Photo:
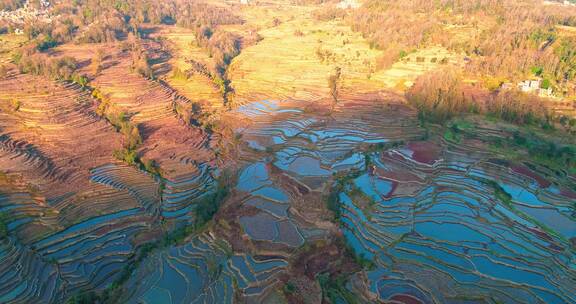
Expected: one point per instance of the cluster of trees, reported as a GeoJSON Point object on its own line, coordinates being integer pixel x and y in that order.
{"type": "Point", "coordinates": [204, 18]}
{"type": "Point", "coordinates": [62, 68]}
{"type": "Point", "coordinates": [515, 36]}
{"type": "Point", "coordinates": [395, 26]}
{"type": "Point", "coordinates": [329, 13]}
{"type": "Point", "coordinates": [86, 21]}
{"type": "Point", "coordinates": [97, 21]}
{"type": "Point", "coordinates": [440, 96]}
{"type": "Point", "coordinates": [121, 121]}
{"type": "Point", "coordinates": [222, 46]}
{"type": "Point", "coordinates": [10, 5]}
{"type": "Point", "coordinates": [559, 156]}
{"type": "Point", "coordinates": [208, 206]}
{"type": "Point", "coordinates": [140, 61]}
{"type": "Point", "coordinates": [525, 38]}
{"type": "Point", "coordinates": [109, 29]}
{"type": "Point", "coordinates": [193, 14]}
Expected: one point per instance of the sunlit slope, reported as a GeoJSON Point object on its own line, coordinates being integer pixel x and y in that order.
{"type": "Point", "coordinates": [196, 87]}
{"type": "Point", "coordinates": [296, 57]}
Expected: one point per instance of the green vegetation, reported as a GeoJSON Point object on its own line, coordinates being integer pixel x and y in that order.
{"type": "Point", "coordinates": [522, 144]}
{"type": "Point", "coordinates": [289, 288]}
{"type": "Point", "coordinates": [506, 199]}
{"type": "Point", "coordinates": [537, 70]}
{"type": "Point", "coordinates": [128, 156]}
{"type": "Point", "coordinates": [569, 124]}
{"type": "Point", "coordinates": [90, 297]}
{"type": "Point", "coordinates": [3, 225]}
{"type": "Point", "coordinates": [333, 201]}
{"type": "Point", "coordinates": [545, 84]}
{"type": "Point", "coordinates": [500, 193]}
{"type": "Point", "coordinates": [334, 289]}
{"type": "Point", "coordinates": [132, 138]}
{"type": "Point", "coordinates": [46, 43]}
{"type": "Point", "coordinates": [545, 151]}
{"type": "Point", "coordinates": [359, 259]}
{"type": "Point", "coordinates": [210, 204]}
{"type": "Point", "coordinates": [341, 183]}
{"type": "Point", "coordinates": [63, 68]}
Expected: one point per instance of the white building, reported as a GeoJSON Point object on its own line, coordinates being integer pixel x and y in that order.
{"type": "Point", "coordinates": [535, 87]}
{"type": "Point", "coordinates": [348, 4]}
{"type": "Point", "coordinates": [530, 85]}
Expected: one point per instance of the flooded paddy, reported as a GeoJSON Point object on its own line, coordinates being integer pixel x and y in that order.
{"type": "Point", "coordinates": [442, 223]}
{"type": "Point", "coordinates": [202, 271]}
{"type": "Point", "coordinates": [426, 212]}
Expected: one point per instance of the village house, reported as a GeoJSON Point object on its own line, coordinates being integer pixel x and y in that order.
{"type": "Point", "coordinates": [531, 86]}
{"type": "Point", "coordinates": [348, 4]}
{"type": "Point", "coordinates": [27, 12]}
{"type": "Point", "coordinates": [535, 87]}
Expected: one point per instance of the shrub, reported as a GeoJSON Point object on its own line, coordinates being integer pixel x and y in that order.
{"type": "Point", "coordinates": [82, 80]}
{"type": "Point", "coordinates": [15, 105]}
{"type": "Point", "coordinates": [140, 62]}
{"type": "Point", "coordinates": [333, 82]}
{"type": "Point", "coordinates": [3, 225]}
{"type": "Point", "coordinates": [128, 156]}
{"type": "Point", "coordinates": [46, 43]}
{"type": "Point", "coordinates": [3, 71]}
{"type": "Point", "coordinates": [207, 207]}
{"type": "Point", "coordinates": [537, 71]}
{"type": "Point", "coordinates": [96, 63]}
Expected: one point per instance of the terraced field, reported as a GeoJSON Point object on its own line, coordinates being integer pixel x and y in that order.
{"type": "Point", "coordinates": [439, 233]}
{"type": "Point", "coordinates": [297, 190]}
{"type": "Point", "coordinates": [204, 271]}
{"type": "Point", "coordinates": [71, 223]}
{"type": "Point", "coordinates": [197, 87]}
{"type": "Point", "coordinates": [432, 216]}
{"type": "Point", "coordinates": [75, 215]}
{"type": "Point", "coordinates": [52, 132]}
{"type": "Point", "coordinates": [179, 150]}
